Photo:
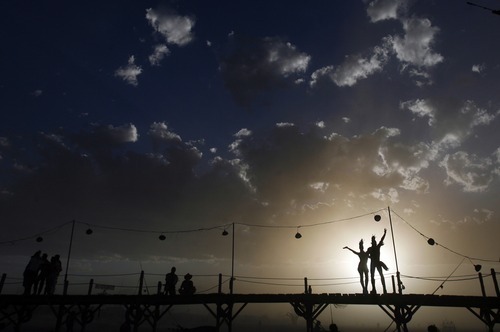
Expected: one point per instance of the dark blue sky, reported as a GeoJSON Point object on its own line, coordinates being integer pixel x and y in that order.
{"type": "Point", "coordinates": [184, 114]}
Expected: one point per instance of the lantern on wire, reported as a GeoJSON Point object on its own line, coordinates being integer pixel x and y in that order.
{"type": "Point", "coordinates": [377, 217]}
{"type": "Point", "coordinates": [39, 239]}
{"type": "Point", "coordinates": [89, 231]}
{"type": "Point", "coordinates": [224, 232]}
{"type": "Point", "coordinates": [298, 235]}
{"type": "Point", "coordinates": [162, 237]}
{"type": "Point", "coordinates": [431, 241]}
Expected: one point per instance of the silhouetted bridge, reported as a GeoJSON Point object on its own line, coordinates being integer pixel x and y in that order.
{"type": "Point", "coordinates": [70, 310]}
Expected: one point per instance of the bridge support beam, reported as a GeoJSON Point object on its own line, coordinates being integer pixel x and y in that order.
{"type": "Point", "coordinates": [15, 315]}
{"type": "Point", "coordinates": [400, 315]}
{"type": "Point", "coordinates": [309, 312]}
{"type": "Point", "coordinates": [488, 316]}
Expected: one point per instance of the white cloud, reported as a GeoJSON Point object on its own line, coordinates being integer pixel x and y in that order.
{"type": "Point", "coordinates": [379, 10]}
{"type": "Point", "coordinates": [123, 134]}
{"type": "Point", "coordinates": [356, 67]}
{"type": "Point", "coordinates": [391, 195]}
{"type": "Point", "coordinates": [259, 65]}
{"type": "Point", "coordinates": [320, 124]}
{"type": "Point", "coordinates": [421, 108]}
{"type": "Point", "coordinates": [174, 28]}
{"type": "Point", "coordinates": [285, 124]}
{"type": "Point", "coordinates": [160, 51]}
{"type": "Point", "coordinates": [243, 132]}
{"type": "Point", "coordinates": [287, 58]}
{"type": "Point", "coordinates": [479, 68]}
{"type": "Point", "coordinates": [319, 73]}
{"type": "Point", "coordinates": [130, 72]}
{"type": "Point", "coordinates": [415, 47]}
{"type": "Point", "coordinates": [472, 173]}
{"type": "Point", "coordinates": [159, 130]}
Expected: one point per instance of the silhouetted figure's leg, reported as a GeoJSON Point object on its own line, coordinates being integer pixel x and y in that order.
{"type": "Point", "coordinates": [372, 276]}
{"type": "Point", "coordinates": [361, 280]}
{"type": "Point", "coordinates": [365, 290]}
{"type": "Point", "coordinates": [382, 280]}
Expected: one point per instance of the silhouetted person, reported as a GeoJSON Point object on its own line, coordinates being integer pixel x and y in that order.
{"type": "Point", "coordinates": [41, 282]}
{"type": "Point", "coordinates": [171, 280]}
{"type": "Point", "coordinates": [187, 287]}
{"type": "Point", "coordinates": [31, 272]}
{"type": "Point", "coordinates": [362, 266]}
{"type": "Point", "coordinates": [432, 328]}
{"type": "Point", "coordinates": [54, 269]}
{"type": "Point", "coordinates": [376, 263]}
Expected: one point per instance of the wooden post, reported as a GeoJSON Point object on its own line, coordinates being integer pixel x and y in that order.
{"type": "Point", "coordinates": [65, 289]}
{"type": "Point", "coordinates": [495, 282]}
{"type": "Point", "coordinates": [2, 282]}
{"type": "Point", "coordinates": [482, 283]}
{"type": "Point", "coordinates": [393, 284]}
{"type": "Point", "coordinates": [91, 285]}
{"type": "Point", "coordinates": [219, 290]}
{"type": "Point", "coordinates": [159, 287]}
{"type": "Point", "coordinates": [141, 283]}
{"type": "Point", "coordinates": [305, 285]}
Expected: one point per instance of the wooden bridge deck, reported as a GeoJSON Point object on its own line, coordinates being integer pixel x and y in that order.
{"type": "Point", "coordinates": [218, 298]}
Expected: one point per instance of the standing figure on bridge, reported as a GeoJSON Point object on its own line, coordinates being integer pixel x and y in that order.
{"type": "Point", "coordinates": [31, 272]}
{"type": "Point", "coordinates": [171, 280]}
{"type": "Point", "coordinates": [362, 266]}
{"type": "Point", "coordinates": [376, 263]}
{"type": "Point", "coordinates": [187, 286]}
{"type": "Point", "coordinates": [53, 273]}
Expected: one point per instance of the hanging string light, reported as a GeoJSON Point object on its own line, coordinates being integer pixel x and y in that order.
{"type": "Point", "coordinates": [376, 216]}
{"type": "Point", "coordinates": [431, 241]}
{"type": "Point", "coordinates": [298, 235]}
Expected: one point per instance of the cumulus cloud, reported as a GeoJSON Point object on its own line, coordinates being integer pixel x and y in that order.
{"type": "Point", "coordinates": [421, 108]}
{"type": "Point", "coordinates": [174, 28]}
{"type": "Point", "coordinates": [462, 123]}
{"type": "Point", "coordinates": [478, 68]}
{"type": "Point", "coordinates": [472, 173]}
{"type": "Point", "coordinates": [379, 10]}
{"type": "Point", "coordinates": [318, 74]}
{"type": "Point", "coordinates": [130, 72]}
{"type": "Point", "coordinates": [159, 131]}
{"type": "Point", "coordinates": [160, 51]}
{"type": "Point", "coordinates": [126, 133]}
{"type": "Point", "coordinates": [415, 47]}
{"type": "Point", "coordinates": [354, 67]}
{"type": "Point", "coordinates": [256, 66]}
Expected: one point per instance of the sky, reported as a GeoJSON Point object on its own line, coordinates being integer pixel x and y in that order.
{"type": "Point", "coordinates": [181, 118]}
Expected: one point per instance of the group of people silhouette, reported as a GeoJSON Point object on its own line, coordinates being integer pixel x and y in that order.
{"type": "Point", "coordinates": [171, 280]}
{"type": "Point", "coordinates": [40, 275]}
{"type": "Point", "coordinates": [373, 253]}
